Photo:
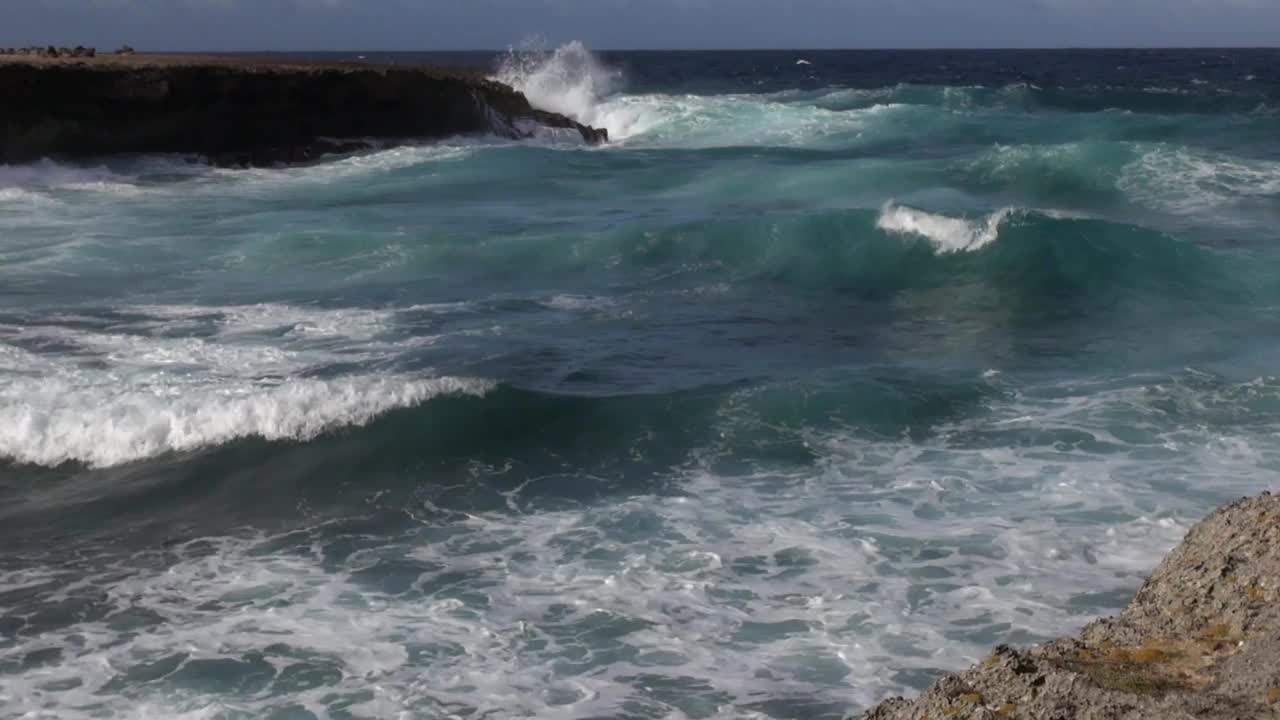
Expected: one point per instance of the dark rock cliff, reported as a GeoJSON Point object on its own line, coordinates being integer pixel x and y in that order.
{"type": "Point", "coordinates": [240, 111]}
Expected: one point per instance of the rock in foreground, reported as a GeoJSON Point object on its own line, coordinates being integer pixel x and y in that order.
{"type": "Point", "coordinates": [1200, 640]}
{"type": "Point", "coordinates": [244, 111]}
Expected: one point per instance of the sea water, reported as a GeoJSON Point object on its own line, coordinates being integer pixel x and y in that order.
{"type": "Point", "coordinates": [832, 370]}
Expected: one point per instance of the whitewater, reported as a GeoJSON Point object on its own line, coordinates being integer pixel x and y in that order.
{"type": "Point", "coordinates": [830, 371]}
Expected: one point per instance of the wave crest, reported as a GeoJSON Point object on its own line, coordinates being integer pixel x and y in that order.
{"type": "Point", "coordinates": [948, 234]}
{"type": "Point", "coordinates": [48, 423]}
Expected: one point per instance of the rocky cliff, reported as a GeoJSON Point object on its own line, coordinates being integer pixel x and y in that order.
{"type": "Point", "coordinates": [1200, 640]}
{"type": "Point", "coordinates": [243, 111]}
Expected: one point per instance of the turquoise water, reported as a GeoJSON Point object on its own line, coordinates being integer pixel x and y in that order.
{"type": "Point", "coordinates": [816, 382]}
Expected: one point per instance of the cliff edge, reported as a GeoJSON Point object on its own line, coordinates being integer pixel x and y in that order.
{"type": "Point", "coordinates": [236, 110]}
{"type": "Point", "coordinates": [1200, 640]}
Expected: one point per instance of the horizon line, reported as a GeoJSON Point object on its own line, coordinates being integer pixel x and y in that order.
{"type": "Point", "coordinates": [1010, 48]}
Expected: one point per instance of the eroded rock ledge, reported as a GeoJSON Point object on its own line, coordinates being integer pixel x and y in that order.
{"type": "Point", "coordinates": [235, 110]}
{"type": "Point", "coordinates": [1200, 640]}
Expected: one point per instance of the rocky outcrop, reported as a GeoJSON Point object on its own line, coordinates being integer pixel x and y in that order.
{"type": "Point", "coordinates": [240, 111]}
{"type": "Point", "coordinates": [1200, 640]}
{"type": "Point", "coordinates": [78, 51]}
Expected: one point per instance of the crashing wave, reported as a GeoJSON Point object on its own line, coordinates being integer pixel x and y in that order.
{"type": "Point", "coordinates": [569, 80]}
{"type": "Point", "coordinates": [572, 81]}
{"type": "Point", "coordinates": [50, 423]}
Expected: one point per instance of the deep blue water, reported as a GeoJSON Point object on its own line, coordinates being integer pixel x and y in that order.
{"type": "Point", "coordinates": [830, 371]}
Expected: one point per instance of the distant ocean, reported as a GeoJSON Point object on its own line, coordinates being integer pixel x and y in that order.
{"type": "Point", "coordinates": [830, 371]}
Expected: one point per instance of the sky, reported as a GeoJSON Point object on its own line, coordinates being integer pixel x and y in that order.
{"type": "Point", "coordinates": [629, 24]}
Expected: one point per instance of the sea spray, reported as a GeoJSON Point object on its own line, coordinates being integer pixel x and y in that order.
{"type": "Point", "coordinates": [573, 81]}
{"type": "Point", "coordinates": [569, 80]}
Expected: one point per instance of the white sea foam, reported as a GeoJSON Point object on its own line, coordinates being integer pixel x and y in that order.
{"type": "Point", "coordinates": [838, 582]}
{"type": "Point", "coordinates": [1090, 164]}
{"type": "Point", "coordinates": [1188, 182]}
{"type": "Point", "coordinates": [884, 560]}
{"type": "Point", "coordinates": [50, 174]}
{"type": "Point", "coordinates": [353, 323]}
{"type": "Point", "coordinates": [948, 234]}
{"type": "Point", "coordinates": [47, 182]}
{"type": "Point", "coordinates": [48, 422]}
{"type": "Point", "coordinates": [162, 378]}
{"type": "Point", "coordinates": [579, 302]}
{"type": "Point", "coordinates": [845, 98]}
{"type": "Point", "coordinates": [697, 121]}
{"type": "Point", "coordinates": [360, 165]}
{"type": "Point", "coordinates": [238, 341]}
{"type": "Point", "coordinates": [1004, 160]}
{"type": "Point", "coordinates": [21, 195]}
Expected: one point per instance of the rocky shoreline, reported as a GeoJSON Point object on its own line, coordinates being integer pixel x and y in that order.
{"type": "Point", "coordinates": [245, 111]}
{"type": "Point", "coordinates": [1200, 640]}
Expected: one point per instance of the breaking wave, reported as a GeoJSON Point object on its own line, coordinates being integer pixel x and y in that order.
{"type": "Point", "coordinates": [948, 234]}
{"type": "Point", "coordinates": [48, 423]}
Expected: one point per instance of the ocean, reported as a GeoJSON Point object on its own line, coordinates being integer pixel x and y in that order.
{"type": "Point", "coordinates": [829, 372]}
